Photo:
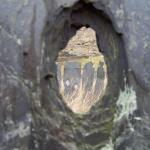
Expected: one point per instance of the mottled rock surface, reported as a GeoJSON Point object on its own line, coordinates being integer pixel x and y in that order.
{"type": "Point", "coordinates": [83, 43]}
{"type": "Point", "coordinates": [32, 114]}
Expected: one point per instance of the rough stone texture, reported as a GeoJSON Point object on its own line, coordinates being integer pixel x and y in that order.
{"type": "Point", "coordinates": [32, 114]}
{"type": "Point", "coordinates": [82, 44]}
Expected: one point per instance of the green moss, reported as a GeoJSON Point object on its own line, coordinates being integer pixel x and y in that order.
{"type": "Point", "coordinates": [126, 103]}
{"type": "Point", "coordinates": [114, 45]}
{"type": "Point", "coordinates": [109, 127]}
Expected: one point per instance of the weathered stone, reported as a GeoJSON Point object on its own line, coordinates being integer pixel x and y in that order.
{"type": "Point", "coordinates": [32, 114]}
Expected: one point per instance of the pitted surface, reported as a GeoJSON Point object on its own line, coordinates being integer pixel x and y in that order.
{"type": "Point", "coordinates": [26, 58]}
